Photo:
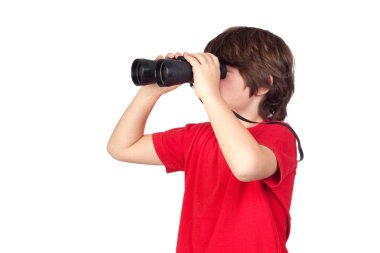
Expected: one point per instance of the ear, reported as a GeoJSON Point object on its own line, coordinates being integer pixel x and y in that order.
{"type": "Point", "coordinates": [262, 90]}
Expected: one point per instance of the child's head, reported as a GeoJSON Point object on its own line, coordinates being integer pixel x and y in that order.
{"type": "Point", "coordinates": [263, 60]}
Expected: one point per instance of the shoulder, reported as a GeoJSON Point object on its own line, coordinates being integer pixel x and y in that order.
{"type": "Point", "coordinates": [274, 131]}
{"type": "Point", "coordinates": [188, 131]}
{"type": "Point", "coordinates": [197, 128]}
{"type": "Point", "coordinates": [279, 138]}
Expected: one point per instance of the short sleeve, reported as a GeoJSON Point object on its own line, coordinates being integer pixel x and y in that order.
{"type": "Point", "coordinates": [283, 144]}
{"type": "Point", "coordinates": [169, 146]}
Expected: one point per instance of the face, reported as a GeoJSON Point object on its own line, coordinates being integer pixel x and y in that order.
{"type": "Point", "coordinates": [234, 91]}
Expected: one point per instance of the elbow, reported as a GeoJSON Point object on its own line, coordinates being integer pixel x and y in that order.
{"type": "Point", "coordinates": [246, 177]}
{"type": "Point", "coordinates": [111, 150]}
{"type": "Point", "coordinates": [246, 172]}
{"type": "Point", "coordinates": [119, 153]}
{"type": "Point", "coordinates": [255, 167]}
{"type": "Point", "coordinates": [114, 152]}
{"type": "Point", "coordinates": [255, 172]}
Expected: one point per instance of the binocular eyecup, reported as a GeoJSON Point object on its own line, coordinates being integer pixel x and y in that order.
{"type": "Point", "coordinates": [165, 72]}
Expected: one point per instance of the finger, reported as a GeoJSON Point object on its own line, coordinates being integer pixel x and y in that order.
{"type": "Point", "coordinates": [169, 55]}
{"type": "Point", "coordinates": [213, 57]}
{"type": "Point", "coordinates": [177, 55]}
{"type": "Point", "coordinates": [191, 59]}
{"type": "Point", "coordinates": [159, 57]}
{"type": "Point", "coordinates": [202, 58]}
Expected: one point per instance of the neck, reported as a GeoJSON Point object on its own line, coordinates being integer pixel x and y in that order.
{"type": "Point", "coordinates": [249, 115]}
{"type": "Point", "coordinates": [248, 122]}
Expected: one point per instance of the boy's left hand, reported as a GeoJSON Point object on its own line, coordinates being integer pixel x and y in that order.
{"type": "Point", "coordinates": [206, 71]}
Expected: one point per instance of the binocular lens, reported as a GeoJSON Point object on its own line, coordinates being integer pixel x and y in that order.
{"type": "Point", "coordinates": [165, 72]}
{"type": "Point", "coordinates": [143, 72]}
{"type": "Point", "coordinates": [171, 72]}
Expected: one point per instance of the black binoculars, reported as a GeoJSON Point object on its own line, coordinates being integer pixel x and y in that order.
{"type": "Point", "coordinates": [165, 72]}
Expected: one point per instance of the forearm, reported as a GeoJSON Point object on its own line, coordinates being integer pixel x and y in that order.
{"type": "Point", "coordinates": [131, 125]}
{"type": "Point", "coordinates": [241, 151]}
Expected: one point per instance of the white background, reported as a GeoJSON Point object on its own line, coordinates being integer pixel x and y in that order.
{"type": "Point", "coordinates": [65, 81]}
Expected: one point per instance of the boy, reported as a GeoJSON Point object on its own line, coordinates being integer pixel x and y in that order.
{"type": "Point", "coordinates": [239, 174]}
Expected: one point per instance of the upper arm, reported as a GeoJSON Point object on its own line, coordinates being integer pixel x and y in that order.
{"type": "Point", "coordinates": [142, 152]}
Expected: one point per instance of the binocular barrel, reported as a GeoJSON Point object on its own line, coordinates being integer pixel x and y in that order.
{"type": "Point", "coordinates": [165, 72]}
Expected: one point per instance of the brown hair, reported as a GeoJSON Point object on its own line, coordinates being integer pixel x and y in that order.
{"type": "Point", "coordinates": [258, 54]}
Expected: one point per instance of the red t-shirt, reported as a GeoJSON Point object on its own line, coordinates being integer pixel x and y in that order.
{"type": "Point", "coordinates": [221, 214]}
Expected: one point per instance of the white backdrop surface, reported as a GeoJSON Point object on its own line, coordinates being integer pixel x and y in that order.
{"type": "Point", "coordinates": [65, 81]}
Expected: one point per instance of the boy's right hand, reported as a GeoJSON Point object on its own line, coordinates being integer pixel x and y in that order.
{"type": "Point", "coordinates": [154, 88]}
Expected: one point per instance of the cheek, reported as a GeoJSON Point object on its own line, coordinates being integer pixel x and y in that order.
{"type": "Point", "coordinates": [233, 90]}
{"type": "Point", "coordinates": [227, 90]}
{"type": "Point", "coordinates": [225, 86]}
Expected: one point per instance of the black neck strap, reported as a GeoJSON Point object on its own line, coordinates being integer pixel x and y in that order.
{"type": "Point", "coordinates": [278, 123]}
